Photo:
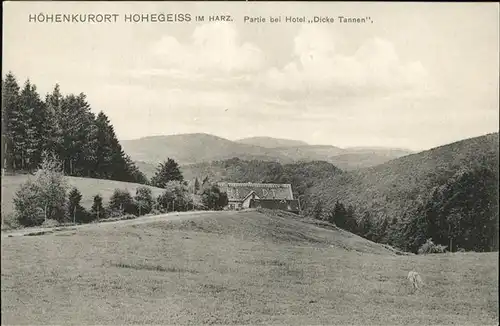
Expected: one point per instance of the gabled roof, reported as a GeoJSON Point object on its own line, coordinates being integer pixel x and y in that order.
{"type": "Point", "coordinates": [239, 191]}
{"type": "Point", "coordinates": [251, 193]}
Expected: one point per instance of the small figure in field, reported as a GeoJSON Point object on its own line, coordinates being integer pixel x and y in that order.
{"type": "Point", "coordinates": [415, 280]}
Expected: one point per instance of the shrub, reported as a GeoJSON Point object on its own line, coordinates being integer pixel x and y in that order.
{"type": "Point", "coordinates": [175, 198]}
{"type": "Point", "coordinates": [10, 221]}
{"type": "Point", "coordinates": [213, 198]}
{"type": "Point", "coordinates": [51, 188]}
{"type": "Point", "coordinates": [156, 212]}
{"type": "Point", "coordinates": [121, 202]}
{"type": "Point", "coordinates": [144, 200]}
{"type": "Point", "coordinates": [45, 197]}
{"type": "Point", "coordinates": [128, 217]}
{"type": "Point", "coordinates": [429, 247]}
{"type": "Point", "coordinates": [50, 223]}
{"type": "Point", "coordinates": [27, 205]}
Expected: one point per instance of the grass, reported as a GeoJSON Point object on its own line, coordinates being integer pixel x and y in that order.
{"type": "Point", "coordinates": [154, 268]}
{"type": "Point", "coordinates": [237, 268]}
{"type": "Point", "coordinates": [88, 188]}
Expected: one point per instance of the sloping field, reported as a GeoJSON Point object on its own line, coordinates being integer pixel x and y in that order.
{"type": "Point", "coordinates": [88, 188]}
{"type": "Point", "coordinates": [236, 268]}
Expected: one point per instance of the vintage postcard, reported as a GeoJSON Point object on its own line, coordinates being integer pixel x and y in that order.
{"type": "Point", "coordinates": [245, 163]}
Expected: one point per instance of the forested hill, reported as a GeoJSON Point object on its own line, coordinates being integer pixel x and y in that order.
{"type": "Point", "coordinates": [446, 192]}
{"type": "Point", "coordinates": [64, 125]}
{"type": "Point", "coordinates": [302, 176]}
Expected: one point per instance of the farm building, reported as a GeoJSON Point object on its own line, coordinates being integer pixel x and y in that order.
{"type": "Point", "coordinates": [240, 195]}
{"type": "Point", "coordinates": [283, 204]}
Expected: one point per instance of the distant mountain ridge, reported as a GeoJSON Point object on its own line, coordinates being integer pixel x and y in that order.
{"type": "Point", "coordinates": [202, 147]}
{"type": "Point", "coordinates": [270, 142]}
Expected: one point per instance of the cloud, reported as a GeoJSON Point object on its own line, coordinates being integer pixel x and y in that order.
{"type": "Point", "coordinates": [317, 67]}
{"type": "Point", "coordinates": [215, 48]}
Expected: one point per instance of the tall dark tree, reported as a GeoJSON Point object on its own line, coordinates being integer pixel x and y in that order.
{"type": "Point", "coordinates": [98, 212]}
{"type": "Point", "coordinates": [54, 133]}
{"type": "Point", "coordinates": [11, 121]}
{"type": "Point", "coordinates": [339, 215]}
{"type": "Point", "coordinates": [133, 173]}
{"type": "Point", "coordinates": [167, 171]}
{"type": "Point", "coordinates": [22, 129]}
{"type": "Point", "coordinates": [103, 135]}
{"type": "Point", "coordinates": [381, 231]}
{"type": "Point", "coordinates": [351, 224]}
{"type": "Point", "coordinates": [76, 118]}
{"type": "Point", "coordinates": [35, 134]}
{"type": "Point", "coordinates": [110, 161]}
{"type": "Point", "coordinates": [76, 212]}
{"type": "Point", "coordinates": [365, 226]}
{"type": "Point", "coordinates": [62, 125]}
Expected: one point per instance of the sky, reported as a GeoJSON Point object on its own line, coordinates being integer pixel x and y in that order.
{"type": "Point", "coordinates": [415, 75]}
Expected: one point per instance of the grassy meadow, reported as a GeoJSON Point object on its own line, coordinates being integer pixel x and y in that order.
{"type": "Point", "coordinates": [237, 268]}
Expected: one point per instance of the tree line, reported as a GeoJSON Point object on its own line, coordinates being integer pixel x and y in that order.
{"type": "Point", "coordinates": [65, 126]}
{"type": "Point", "coordinates": [461, 214]}
{"type": "Point", "coordinates": [46, 198]}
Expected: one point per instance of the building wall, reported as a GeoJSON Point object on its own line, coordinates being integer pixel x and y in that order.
{"type": "Point", "coordinates": [246, 203]}
{"type": "Point", "coordinates": [232, 205]}
{"type": "Point", "coordinates": [287, 205]}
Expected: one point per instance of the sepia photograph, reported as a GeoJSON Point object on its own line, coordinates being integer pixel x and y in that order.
{"type": "Point", "coordinates": [250, 163]}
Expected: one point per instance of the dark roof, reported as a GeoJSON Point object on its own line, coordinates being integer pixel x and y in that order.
{"type": "Point", "coordinates": [238, 191]}
{"type": "Point", "coordinates": [285, 205]}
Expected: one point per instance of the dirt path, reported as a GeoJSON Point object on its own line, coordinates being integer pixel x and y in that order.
{"type": "Point", "coordinates": [140, 220]}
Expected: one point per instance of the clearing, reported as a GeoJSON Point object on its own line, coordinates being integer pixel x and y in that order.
{"type": "Point", "coordinates": [236, 268]}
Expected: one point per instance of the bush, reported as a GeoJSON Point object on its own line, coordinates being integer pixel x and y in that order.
{"type": "Point", "coordinates": [176, 197]}
{"type": "Point", "coordinates": [52, 188]}
{"type": "Point", "coordinates": [144, 200]}
{"type": "Point", "coordinates": [213, 198]}
{"type": "Point", "coordinates": [10, 222]}
{"type": "Point", "coordinates": [429, 247]}
{"type": "Point", "coordinates": [128, 217]}
{"type": "Point", "coordinates": [121, 202]}
{"type": "Point", "coordinates": [156, 212]}
{"type": "Point", "coordinates": [50, 223]}
{"type": "Point", "coordinates": [27, 205]}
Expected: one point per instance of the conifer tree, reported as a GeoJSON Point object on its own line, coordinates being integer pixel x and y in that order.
{"type": "Point", "coordinates": [10, 121]}
{"type": "Point", "coordinates": [97, 209]}
{"type": "Point", "coordinates": [55, 134]}
{"type": "Point", "coordinates": [75, 211]}
{"type": "Point", "coordinates": [35, 122]}
{"type": "Point", "coordinates": [167, 171]}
